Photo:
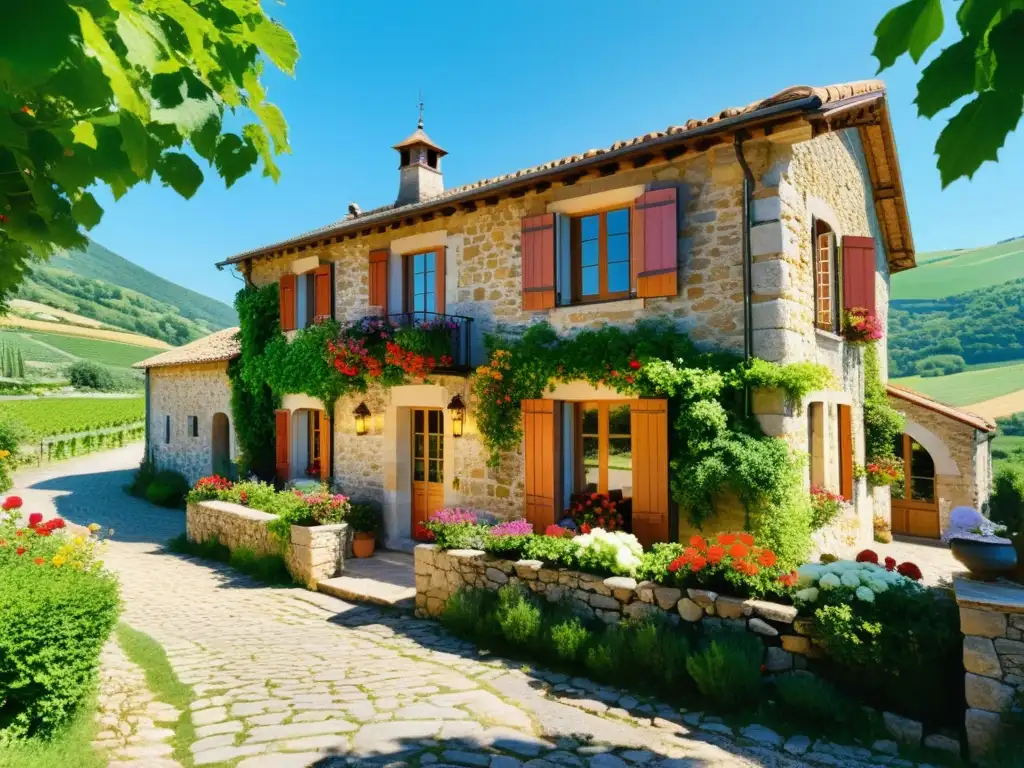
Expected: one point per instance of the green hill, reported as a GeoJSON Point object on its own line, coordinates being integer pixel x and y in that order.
{"type": "Point", "coordinates": [946, 273]}
{"type": "Point", "coordinates": [101, 285]}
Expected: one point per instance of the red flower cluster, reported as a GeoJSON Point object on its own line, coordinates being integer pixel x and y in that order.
{"type": "Point", "coordinates": [213, 483]}
{"type": "Point", "coordinates": [414, 364]}
{"type": "Point", "coordinates": [39, 528]}
{"type": "Point", "coordinates": [558, 532]}
{"type": "Point", "coordinates": [594, 510]}
{"type": "Point", "coordinates": [737, 551]}
{"type": "Point", "coordinates": [789, 579]}
{"type": "Point", "coordinates": [884, 471]}
{"type": "Point", "coordinates": [908, 569]}
{"type": "Point", "coordinates": [422, 533]}
{"type": "Point", "coordinates": [351, 357]}
{"type": "Point", "coordinates": [12, 502]}
{"type": "Point", "coordinates": [861, 326]}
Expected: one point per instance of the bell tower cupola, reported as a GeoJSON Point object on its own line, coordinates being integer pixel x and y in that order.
{"type": "Point", "coordinates": [419, 167]}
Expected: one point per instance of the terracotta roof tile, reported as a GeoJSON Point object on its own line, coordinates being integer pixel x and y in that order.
{"type": "Point", "coordinates": [964, 417]}
{"type": "Point", "coordinates": [829, 94]}
{"type": "Point", "coordinates": [221, 345]}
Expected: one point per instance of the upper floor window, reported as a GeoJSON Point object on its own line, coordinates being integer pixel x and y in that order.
{"type": "Point", "coordinates": [600, 255]}
{"type": "Point", "coordinates": [826, 278]}
{"type": "Point", "coordinates": [421, 282]}
{"type": "Point", "coordinates": [307, 298]}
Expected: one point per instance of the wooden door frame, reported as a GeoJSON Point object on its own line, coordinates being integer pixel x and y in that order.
{"type": "Point", "coordinates": [440, 486]}
{"type": "Point", "coordinates": [906, 504]}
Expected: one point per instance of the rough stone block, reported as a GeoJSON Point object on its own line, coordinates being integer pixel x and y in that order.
{"type": "Point", "coordinates": [796, 644]}
{"type": "Point", "coordinates": [982, 731]}
{"type": "Point", "coordinates": [645, 591]}
{"type": "Point", "coordinates": [903, 729]}
{"type": "Point", "coordinates": [762, 628]}
{"type": "Point", "coordinates": [980, 657]}
{"type": "Point", "coordinates": [666, 597]}
{"type": "Point", "coordinates": [496, 576]}
{"type": "Point", "coordinates": [689, 610]}
{"type": "Point", "coordinates": [986, 693]}
{"type": "Point", "coordinates": [732, 607]}
{"type": "Point", "coordinates": [785, 614]}
{"type": "Point", "coordinates": [703, 597]}
{"type": "Point", "coordinates": [605, 602]}
{"type": "Point", "coordinates": [777, 660]}
{"type": "Point", "coordinates": [982, 623]}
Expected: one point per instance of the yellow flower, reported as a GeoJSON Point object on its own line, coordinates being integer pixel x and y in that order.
{"type": "Point", "coordinates": [93, 527]}
{"type": "Point", "coordinates": [79, 540]}
{"type": "Point", "coordinates": [58, 560]}
{"type": "Point", "coordinates": [4, 454]}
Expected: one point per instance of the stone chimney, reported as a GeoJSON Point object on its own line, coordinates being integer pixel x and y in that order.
{"type": "Point", "coordinates": [420, 168]}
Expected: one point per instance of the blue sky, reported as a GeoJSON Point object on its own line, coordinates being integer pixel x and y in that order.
{"type": "Point", "coordinates": [509, 85]}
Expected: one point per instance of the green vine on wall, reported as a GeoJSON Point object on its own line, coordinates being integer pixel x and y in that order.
{"type": "Point", "coordinates": [714, 446]}
{"type": "Point", "coordinates": [883, 424]}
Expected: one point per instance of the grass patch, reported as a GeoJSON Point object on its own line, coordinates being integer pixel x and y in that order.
{"type": "Point", "coordinates": [162, 681]}
{"type": "Point", "coordinates": [269, 569]}
{"type": "Point", "coordinates": [968, 387]}
{"type": "Point", "coordinates": [70, 746]}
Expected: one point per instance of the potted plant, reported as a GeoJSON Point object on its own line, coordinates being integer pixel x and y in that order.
{"type": "Point", "coordinates": [975, 542]}
{"type": "Point", "coordinates": [364, 520]}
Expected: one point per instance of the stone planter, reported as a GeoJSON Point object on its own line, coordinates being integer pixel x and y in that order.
{"type": "Point", "coordinates": [985, 560]}
{"type": "Point", "coordinates": [316, 552]}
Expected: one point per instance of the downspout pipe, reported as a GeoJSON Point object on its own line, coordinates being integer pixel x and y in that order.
{"type": "Point", "coordinates": [748, 303]}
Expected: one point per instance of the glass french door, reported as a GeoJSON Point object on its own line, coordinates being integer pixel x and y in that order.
{"type": "Point", "coordinates": [915, 505]}
{"type": "Point", "coordinates": [427, 463]}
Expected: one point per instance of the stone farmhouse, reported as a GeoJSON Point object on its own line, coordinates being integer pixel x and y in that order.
{"type": "Point", "coordinates": [750, 229]}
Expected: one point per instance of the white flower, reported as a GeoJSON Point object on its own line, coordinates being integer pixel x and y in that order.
{"type": "Point", "coordinates": [829, 581]}
{"type": "Point", "coordinates": [865, 594]}
{"type": "Point", "coordinates": [878, 586]}
{"type": "Point", "coordinates": [850, 579]}
{"type": "Point", "coordinates": [807, 595]}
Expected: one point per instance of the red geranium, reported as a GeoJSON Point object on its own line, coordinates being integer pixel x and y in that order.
{"type": "Point", "coordinates": [767, 558]}
{"type": "Point", "coordinates": [12, 502]}
{"type": "Point", "coordinates": [747, 538]}
{"type": "Point", "coordinates": [39, 561]}
{"type": "Point", "coordinates": [715, 554]}
{"type": "Point", "coordinates": [698, 542]}
{"type": "Point", "coordinates": [789, 579]}
{"type": "Point", "coordinates": [19, 551]}
{"type": "Point", "coordinates": [698, 563]}
{"type": "Point", "coordinates": [867, 556]}
{"type": "Point", "coordinates": [890, 564]}
{"type": "Point", "coordinates": [739, 549]}
{"type": "Point", "coordinates": [909, 570]}
{"type": "Point", "coordinates": [422, 533]}
{"type": "Point", "coordinates": [35, 519]}
{"type": "Point", "coordinates": [634, 364]}
{"type": "Point", "coordinates": [725, 539]}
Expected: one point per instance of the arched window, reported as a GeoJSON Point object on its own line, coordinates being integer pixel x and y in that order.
{"type": "Point", "coordinates": [915, 509]}
{"type": "Point", "coordinates": [826, 277]}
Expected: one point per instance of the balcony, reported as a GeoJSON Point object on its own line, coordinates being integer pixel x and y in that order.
{"type": "Point", "coordinates": [457, 329]}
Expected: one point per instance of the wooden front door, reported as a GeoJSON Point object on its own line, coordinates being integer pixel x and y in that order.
{"type": "Point", "coordinates": [915, 505]}
{"type": "Point", "coordinates": [427, 463]}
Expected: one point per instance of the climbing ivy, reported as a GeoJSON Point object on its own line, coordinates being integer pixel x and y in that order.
{"type": "Point", "coordinates": [882, 423]}
{"type": "Point", "coordinates": [715, 446]}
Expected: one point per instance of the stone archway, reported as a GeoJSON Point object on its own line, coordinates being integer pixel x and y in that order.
{"type": "Point", "coordinates": [220, 448]}
{"type": "Point", "coordinates": [921, 503]}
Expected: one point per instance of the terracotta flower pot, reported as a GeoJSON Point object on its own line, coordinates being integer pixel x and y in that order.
{"type": "Point", "coordinates": [983, 559]}
{"type": "Point", "coordinates": [363, 544]}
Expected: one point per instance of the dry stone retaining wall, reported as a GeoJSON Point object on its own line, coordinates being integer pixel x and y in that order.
{"type": "Point", "coordinates": [442, 573]}
{"type": "Point", "coordinates": [314, 552]}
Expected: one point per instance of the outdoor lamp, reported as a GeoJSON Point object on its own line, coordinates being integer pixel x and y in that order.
{"type": "Point", "coordinates": [457, 410]}
{"type": "Point", "coordinates": [362, 414]}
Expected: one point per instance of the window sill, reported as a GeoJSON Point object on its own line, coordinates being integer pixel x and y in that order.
{"type": "Point", "coordinates": [835, 337]}
{"type": "Point", "coordinates": [598, 307]}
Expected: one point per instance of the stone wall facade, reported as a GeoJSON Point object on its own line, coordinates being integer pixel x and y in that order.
{"type": "Point", "coordinates": [961, 453]}
{"type": "Point", "coordinates": [797, 176]}
{"type": "Point", "coordinates": [992, 621]}
{"type": "Point", "coordinates": [313, 553]}
{"type": "Point", "coordinates": [200, 390]}
{"type": "Point", "coordinates": [440, 574]}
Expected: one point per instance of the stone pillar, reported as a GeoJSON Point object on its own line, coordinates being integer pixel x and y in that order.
{"type": "Point", "coordinates": [992, 621]}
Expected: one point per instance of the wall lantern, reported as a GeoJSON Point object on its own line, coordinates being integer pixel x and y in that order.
{"type": "Point", "coordinates": [362, 414]}
{"type": "Point", "coordinates": [457, 410]}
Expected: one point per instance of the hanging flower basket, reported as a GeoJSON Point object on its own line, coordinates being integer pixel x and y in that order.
{"type": "Point", "coordinates": [861, 326]}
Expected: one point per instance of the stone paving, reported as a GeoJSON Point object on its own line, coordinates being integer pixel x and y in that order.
{"type": "Point", "coordinates": [284, 677]}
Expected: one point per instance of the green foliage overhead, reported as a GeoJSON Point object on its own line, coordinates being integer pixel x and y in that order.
{"type": "Point", "coordinates": [986, 63]}
{"type": "Point", "coordinates": [116, 91]}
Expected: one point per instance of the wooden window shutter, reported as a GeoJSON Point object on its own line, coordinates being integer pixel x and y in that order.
{"type": "Point", "coordinates": [286, 295]}
{"type": "Point", "coordinates": [542, 432]}
{"type": "Point", "coordinates": [824, 260]}
{"type": "Point", "coordinates": [379, 279]}
{"type": "Point", "coordinates": [845, 452]}
{"type": "Point", "coordinates": [649, 429]}
{"type": "Point", "coordinates": [655, 243]}
{"type": "Point", "coordinates": [325, 446]}
{"type": "Point", "coordinates": [439, 279]}
{"type": "Point", "coordinates": [323, 293]}
{"type": "Point", "coordinates": [538, 257]}
{"type": "Point", "coordinates": [859, 273]}
{"type": "Point", "coordinates": [281, 445]}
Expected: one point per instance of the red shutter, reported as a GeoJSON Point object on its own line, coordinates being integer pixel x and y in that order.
{"type": "Point", "coordinates": [439, 265]}
{"type": "Point", "coordinates": [379, 279]}
{"type": "Point", "coordinates": [656, 243]}
{"type": "Point", "coordinates": [543, 467]}
{"type": "Point", "coordinates": [845, 452]}
{"type": "Point", "coordinates": [281, 442]}
{"type": "Point", "coordinates": [649, 431]}
{"type": "Point", "coordinates": [286, 295]}
{"type": "Point", "coordinates": [859, 273]}
{"type": "Point", "coordinates": [538, 256]}
{"type": "Point", "coordinates": [323, 290]}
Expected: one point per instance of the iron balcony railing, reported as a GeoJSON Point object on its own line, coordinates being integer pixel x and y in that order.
{"type": "Point", "coordinates": [459, 330]}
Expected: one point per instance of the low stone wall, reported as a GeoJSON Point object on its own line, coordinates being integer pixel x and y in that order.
{"type": "Point", "coordinates": [314, 552]}
{"type": "Point", "coordinates": [992, 621]}
{"type": "Point", "coordinates": [440, 574]}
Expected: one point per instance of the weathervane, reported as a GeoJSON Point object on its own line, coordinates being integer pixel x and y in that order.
{"type": "Point", "coordinates": [420, 123]}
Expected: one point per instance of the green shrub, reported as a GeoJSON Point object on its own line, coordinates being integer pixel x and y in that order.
{"type": "Point", "coordinates": [807, 697]}
{"type": "Point", "coordinates": [728, 670]}
{"type": "Point", "coordinates": [85, 374]}
{"type": "Point", "coordinates": [518, 615]}
{"type": "Point", "coordinates": [606, 658]}
{"type": "Point", "coordinates": [364, 517]}
{"type": "Point", "coordinates": [657, 652]}
{"type": "Point", "coordinates": [270, 569]}
{"type": "Point", "coordinates": [167, 489]}
{"type": "Point", "coordinates": [552, 551]}
{"type": "Point", "coordinates": [568, 639]}
{"type": "Point", "coordinates": [462, 611]}
{"type": "Point", "coordinates": [1007, 503]}
{"type": "Point", "coordinates": [53, 624]}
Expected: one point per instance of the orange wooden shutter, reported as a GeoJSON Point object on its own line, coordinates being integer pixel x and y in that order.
{"type": "Point", "coordinates": [649, 430]}
{"type": "Point", "coordinates": [859, 272]}
{"type": "Point", "coordinates": [286, 294]}
{"type": "Point", "coordinates": [322, 293]}
{"type": "Point", "coordinates": [325, 446]}
{"type": "Point", "coordinates": [439, 278]}
{"type": "Point", "coordinates": [281, 442]}
{"type": "Point", "coordinates": [379, 279]}
{"type": "Point", "coordinates": [543, 467]}
{"type": "Point", "coordinates": [538, 256]}
{"type": "Point", "coordinates": [655, 243]}
{"type": "Point", "coordinates": [845, 452]}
